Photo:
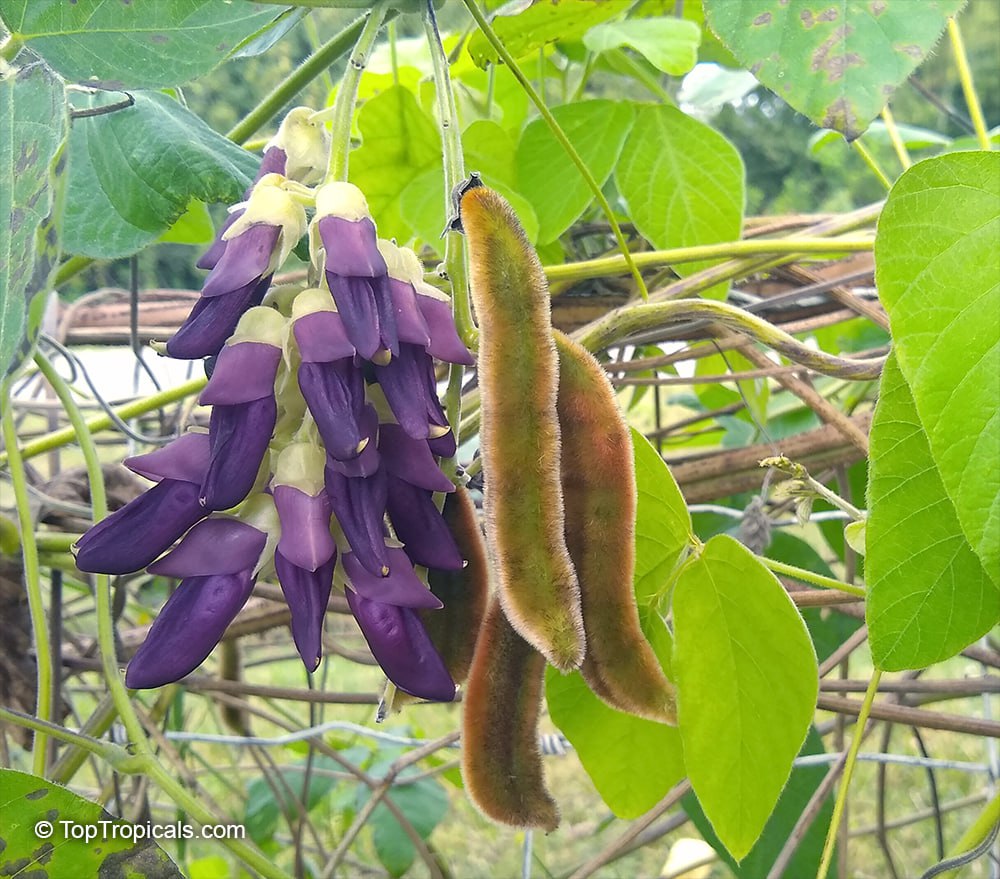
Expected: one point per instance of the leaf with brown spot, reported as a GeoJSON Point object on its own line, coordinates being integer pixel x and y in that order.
{"type": "Point", "coordinates": [836, 61]}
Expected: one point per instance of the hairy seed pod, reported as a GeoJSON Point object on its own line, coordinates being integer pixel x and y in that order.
{"type": "Point", "coordinates": [501, 763]}
{"type": "Point", "coordinates": [519, 431]}
{"type": "Point", "coordinates": [599, 495]}
{"type": "Point", "coordinates": [465, 593]}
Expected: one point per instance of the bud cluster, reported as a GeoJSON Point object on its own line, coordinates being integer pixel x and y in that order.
{"type": "Point", "coordinates": [321, 457]}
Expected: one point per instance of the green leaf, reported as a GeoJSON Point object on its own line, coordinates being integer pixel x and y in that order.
{"type": "Point", "coordinates": [662, 523]}
{"type": "Point", "coordinates": [147, 45]}
{"type": "Point", "coordinates": [938, 275]}
{"type": "Point", "coordinates": [26, 800]}
{"type": "Point", "coordinates": [399, 142]}
{"type": "Point", "coordinates": [546, 174]}
{"type": "Point", "coordinates": [133, 173]}
{"type": "Point", "coordinates": [928, 594]}
{"type": "Point", "coordinates": [838, 63]}
{"type": "Point", "coordinates": [194, 226]}
{"type": "Point", "coordinates": [541, 22]}
{"type": "Point", "coordinates": [683, 182]}
{"type": "Point", "coordinates": [633, 762]}
{"type": "Point", "coordinates": [801, 785]}
{"type": "Point", "coordinates": [424, 803]}
{"type": "Point", "coordinates": [33, 125]}
{"type": "Point", "coordinates": [671, 44]}
{"type": "Point", "coordinates": [913, 138]}
{"type": "Point", "coordinates": [263, 808]}
{"type": "Point", "coordinates": [746, 680]}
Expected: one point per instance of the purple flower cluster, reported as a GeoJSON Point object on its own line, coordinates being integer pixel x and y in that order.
{"type": "Point", "coordinates": [320, 460]}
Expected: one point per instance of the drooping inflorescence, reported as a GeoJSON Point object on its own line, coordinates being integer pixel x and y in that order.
{"type": "Point", "coordinates": [320, 460]}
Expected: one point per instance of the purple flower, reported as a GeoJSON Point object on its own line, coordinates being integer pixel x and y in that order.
{"type": "Point", "coordinates": [401, 586]}
{"type": "Point", "coordinates": [218, 562]}
{"type": "Point", "coordinates": [410, 459]}
{"type": "Point", "coordinates": [420, 526]}
{"type": "Point", "coordinates": [369, 460]}
{"type": "Point", "coordinates": [435, 320]}
{"type": "Point", "coordinates": [307, 594]}
{"type": "Point", "coordinates": [402, 647]}
{"type": "Point", "coordinates": [133, 536]}
{"type": "Point", "coordinates": [356, 271]}
{"type": "Point", "coordinates": [331, 383]}
{"type": "Point", "coordinates": [257, 241]}
{"type": "Point", "coordinates": [244, 409]}
{"type": "Point", "coordinates": [410, 388]}
{"type": "Point", "coordinates": [359, 504]}
{"type": "Point", "coordinates": [303, 506]}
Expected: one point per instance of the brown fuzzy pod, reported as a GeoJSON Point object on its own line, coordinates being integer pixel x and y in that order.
{"type": "Point", "coordinates": [501, 763]}
{"type": "Point", "coordinates": [599, 498]}
{"type": "Point", "coordinates": [453, 628]}
{"type": "Point", "coordinates": [519, 431]}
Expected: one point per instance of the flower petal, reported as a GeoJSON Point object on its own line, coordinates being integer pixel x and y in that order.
{"type": "Point", "coordinates": [321, 337]}
{"type": "Point", "coordinates": [445, 343]}
{"type": "Point", "coordinates": [351, 247]}
{"type": "Point", "coordinates": [188, 626]}
{"type": "Point", "coordinates": [402, 647]}
{"type": "Point", "coordinates": [401, 587]}
{"type": "Point", "coordinates": [245, 260]}
{"type": "Point", "coordinates": [307, 594]}
{"type": "Point", "coordinates": [243, 372]}
{"type": "Point", "coordinates": [369, 460]}
{"type": "Point", "coordinates": [216, 546]}
{"type": "Point", "coordinates": [410, 459]}
{"type": "Point", "coordinates": [213, 319]}
{"type": "Point", "coordinates": [130, 538]}
{"type": "Point", "coordinates": [422, 529]}
{"type": "Point", "coordinates": [185, 458]}
{"type": "Point", "coordinates": [305, 527]}
{"type": "Point", "coordinates": [335, 395]}
{"type": "Point", "coordinates": [410, 321]}
{"type": "Point", "coordinates": [239, 437]}
{"type": "Point", "coordinates": [410, 389]}
{"type": "Point", "coordinates": [359, 505]}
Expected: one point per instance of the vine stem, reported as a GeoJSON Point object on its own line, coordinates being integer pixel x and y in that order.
{"type": "Point", "coordinates": [560, 135]}
{"type": "Point", "coordinates": [611, 265]}
{"type": "Point", "coordinates": [623, 322]}
{"type": "Point", "coordinates": [845, 782]}
{"type": "Point", "coordinates": [872, 163]}
{"type": "Point", "coordinates": [977, 832]}
{"type": "Point", "coordinates": [902, 153]}
{"type": "Point", "coordinates": [144, 759]}
{"type": "Point", "coordinates": [113, 755]}
{"type": "Point", "coordinates": [807, 576]}
{"type": "Point", "coordinates": [58, 438]}
{"type": "Point", "coordinates": [347, 94]}
{"type": "Point", "coordinates": [968, 87]}
{"type": "Point", "coordinates": [32, 582]}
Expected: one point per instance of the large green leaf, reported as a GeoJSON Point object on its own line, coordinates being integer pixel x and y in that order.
{"type": "Point", "coordinates": [541, 22]}
{"type": "Point", "coordinates": [134, 171]}
{"type": "Point", "coordinates": [937, 253]}
{"type": "Point", "coordinates": [32, 128]}
{"type": "Point", "coordinates": [836, 62]}
{"type": "Point", "coordinates": [424, 803]}
{"type": "Point", "coordinates": [670, 44]}
{"type": "Point", "coordinates": [662, 523]}
{"type": "Point", "coordinates": [35, 842]}
{"type": "Point", "coordinates": [928, 595]}
{"type": "Point", "coordinates": [683, 182]}
{"type": "Point", "coordinates": [632, 762]}
{"type": "Point", "coordinates": [801, 786]}
{"type": "Point", "coordinates": [146, 44]}
{"type": "Point", "coordinates": [546, 174]}
{"type": "Point", "coordinates": [399, 142]}
{"type": "Point", "coordinates": [746, 678]}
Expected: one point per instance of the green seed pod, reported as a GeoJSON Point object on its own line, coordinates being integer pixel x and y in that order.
{"type": "Point", "coordinates": [501, 763]}
{"type": "Point", "coordinates": [599, 497]}
{"type": "Point", "coordinates": [519, 431]}
{"type": "Point", "coordinates": [465, 593]}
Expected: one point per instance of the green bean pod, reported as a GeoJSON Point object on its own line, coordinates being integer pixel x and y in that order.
{"type": "Point", "coordinates": [599, 497]}
{"type": "Point", "coordinates": [501, 763]}
{"type": "Point", "coordinates": [465, 593]}
{"type": "Point", "coordinates": [519, 431]}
